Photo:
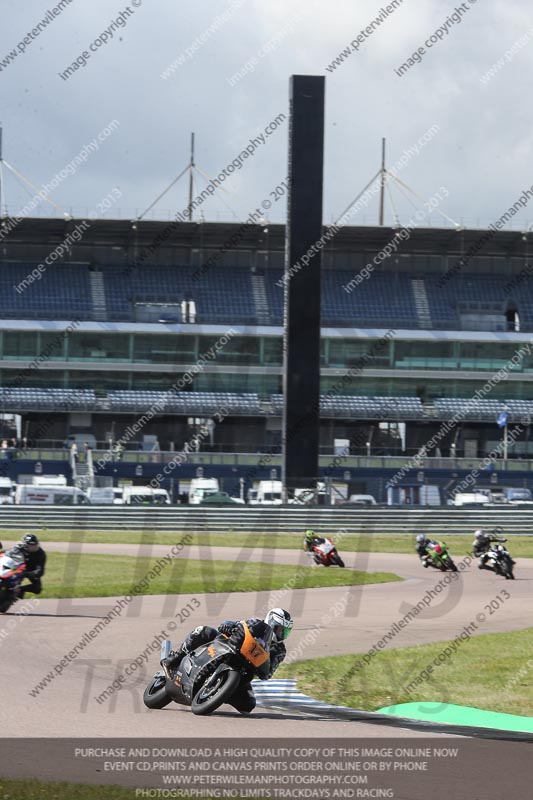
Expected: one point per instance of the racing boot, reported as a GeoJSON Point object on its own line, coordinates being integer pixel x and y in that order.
{"type": "Point", "coordinates": [200, 635]}
{"type": "Point", "coordinates": [174, 659]}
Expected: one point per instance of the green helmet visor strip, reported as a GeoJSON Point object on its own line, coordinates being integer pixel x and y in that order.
{"type": "Point", "coordinates": [281, 632]}
{"type": "Point", "coordinates": [281, 627]}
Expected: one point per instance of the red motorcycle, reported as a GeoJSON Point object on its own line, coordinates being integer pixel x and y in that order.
{"type": "Point", "coordinates": [12, 568]}
{"type": "Point", "coordinates": [326, 554]}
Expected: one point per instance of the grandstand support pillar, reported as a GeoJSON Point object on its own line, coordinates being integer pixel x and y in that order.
{"type": "Point", "coordinates": [302, 284]}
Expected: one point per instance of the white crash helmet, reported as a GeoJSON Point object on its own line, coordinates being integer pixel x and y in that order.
{"type": "Point", "coordinates": [281, 623]}
{"type": "Point", "coordinates": [479, 533]}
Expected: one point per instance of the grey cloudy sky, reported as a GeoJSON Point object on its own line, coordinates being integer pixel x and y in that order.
{"type": "Point", "coordinates": [481, 153]}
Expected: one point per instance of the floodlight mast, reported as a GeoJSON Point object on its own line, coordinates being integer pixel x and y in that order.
{"type": "Point", "coordinates": [186, 214]}
{"type": "Point", "coordinates": [382, 192]}
{"type": "Point", "coordinates": [191, 179]}
{"type": "Point", "coordinates": [3, 204]}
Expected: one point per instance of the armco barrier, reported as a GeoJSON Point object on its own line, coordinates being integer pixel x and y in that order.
{"type": "Point", "coordinates": [436, 522]}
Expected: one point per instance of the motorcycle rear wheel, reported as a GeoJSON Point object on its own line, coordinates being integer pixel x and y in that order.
{"type": "Point", "coordinates": [508, 570]}
{"type": "Point", "coordinates": [6, 601]}
{"type": "Point", "coordinates": [209, 698]}
{"type": "Point", "coordinates": [155, 694]}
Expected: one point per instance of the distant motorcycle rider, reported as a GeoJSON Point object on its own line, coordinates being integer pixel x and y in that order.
{"type": "Point", "coordinates": [424, 547]}
{"type": "Point", "coordinates": [35, 560]}
{"type": "Point", "coordinates": [277, 619]}
{"type": "Point", "coordinates": [481, 547]}
{"type": "Point", "coordinates": [311, 541]}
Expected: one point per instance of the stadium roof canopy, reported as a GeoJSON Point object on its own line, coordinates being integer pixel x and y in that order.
{"type": "Point", "coordinates": [125, 233]}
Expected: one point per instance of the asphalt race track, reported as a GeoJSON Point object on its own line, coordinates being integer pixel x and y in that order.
{"type": "Point", "coordinates": [358, 617]}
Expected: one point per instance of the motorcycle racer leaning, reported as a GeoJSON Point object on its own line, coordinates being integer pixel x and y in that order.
{"type": "Point", "coordinates": [481, 547]}
{"type": "Point", "coordinates": [312, 540]}
{"type": "Point", "coordinates": [423, 548]}
{"type": "Point", "coordinates": [35, 559]}
{"type": "Point", "coordinates": [279, 620]}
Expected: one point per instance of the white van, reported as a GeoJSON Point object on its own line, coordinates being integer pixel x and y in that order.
{"type": "Point", "coordinates": [101, 495]}
{"type": "Point", "coordinates": [50, 495]}
{"type": "Point", "coordinates": [470, 499]}
{"type": "Point", "coordinates": [7, 491]}
{"type": "Point", "coordinates": [200, 488]}
{"type": "Point", "coordinates": [145, 496]}
{"type": "Point", "coordinates": [161, 497]}
{"type": "Point", "coordinates": [269, 493]}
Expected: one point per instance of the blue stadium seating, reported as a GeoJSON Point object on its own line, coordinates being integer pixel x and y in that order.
{"type": "Point", "coordinates": [225, 294]}
{"type": "Point", "coordinates": [62, 292]}
{"type": "Point", "coordinates": [381, 300]}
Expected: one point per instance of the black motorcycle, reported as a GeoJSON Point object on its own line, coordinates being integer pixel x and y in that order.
{"type": "Point", "coordinates": [500, 561]}
{"type": "Point", "coordinates": [12, 568]}
{"type": "Point", "coordinates": [208, 676]}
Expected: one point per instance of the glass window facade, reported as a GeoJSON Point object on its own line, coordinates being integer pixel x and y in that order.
{"type": "Point", "coordinates": [238, 350]}
{"type": "Point", "coordinates": [165, 349]}
{"type": "Point", "coordinates": [180, 352]}
{"type": "Point", "coordinates": [98, 346]}
{"type": "Point", "coordinates": [272, 351]}
{"type": "Point", "coordinates": [20, 344]}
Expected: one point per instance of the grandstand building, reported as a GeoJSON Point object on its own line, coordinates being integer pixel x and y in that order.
{"type": "Point", "coordinates": [174, 331]}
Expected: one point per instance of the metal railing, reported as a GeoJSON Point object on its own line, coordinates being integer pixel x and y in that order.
{"type": "Point", "coordinates": [222, 457]}
{"type": "Point", "coordinates": [441, 522]}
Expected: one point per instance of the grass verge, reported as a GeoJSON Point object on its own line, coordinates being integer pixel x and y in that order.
{"type": "Point", "coordinates": [492, 671]}
{"type": "Point", "coordinates": [39, 790]}
{"type": "Point", "coordinates": [110, 576]}
{"type": "Point", "coordinates": [521, 546]}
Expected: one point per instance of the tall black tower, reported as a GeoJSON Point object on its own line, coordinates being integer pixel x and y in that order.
{"type": "Point", "coordinates": [303, 262]}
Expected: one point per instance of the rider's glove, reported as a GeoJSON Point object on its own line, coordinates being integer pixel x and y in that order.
{"type": "Point", "coordinates": [226, 628]}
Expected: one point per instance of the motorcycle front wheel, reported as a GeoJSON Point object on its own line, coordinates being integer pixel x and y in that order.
{"type": "Point", "coordinates": [337, 560]}
{"type": "Point", "coordinates": [215, 691]}
{"type": "Point", "coordinates": [155, 695]}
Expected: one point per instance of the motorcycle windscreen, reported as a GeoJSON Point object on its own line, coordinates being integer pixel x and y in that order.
{"type": "Point", "coordinates": [252, 650]}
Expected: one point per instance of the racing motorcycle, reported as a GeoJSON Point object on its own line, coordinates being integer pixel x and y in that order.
{"type": "Point", "coordinates": [209, 675]}
{"type": "Point", "coordinates": [500, 561]}
{"type": "Point", "coordinates": [326, 554]}
{"type": "Point", "coordinates": [439, 558]}
{"type": "Point", "coordinates": [12, 568]}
